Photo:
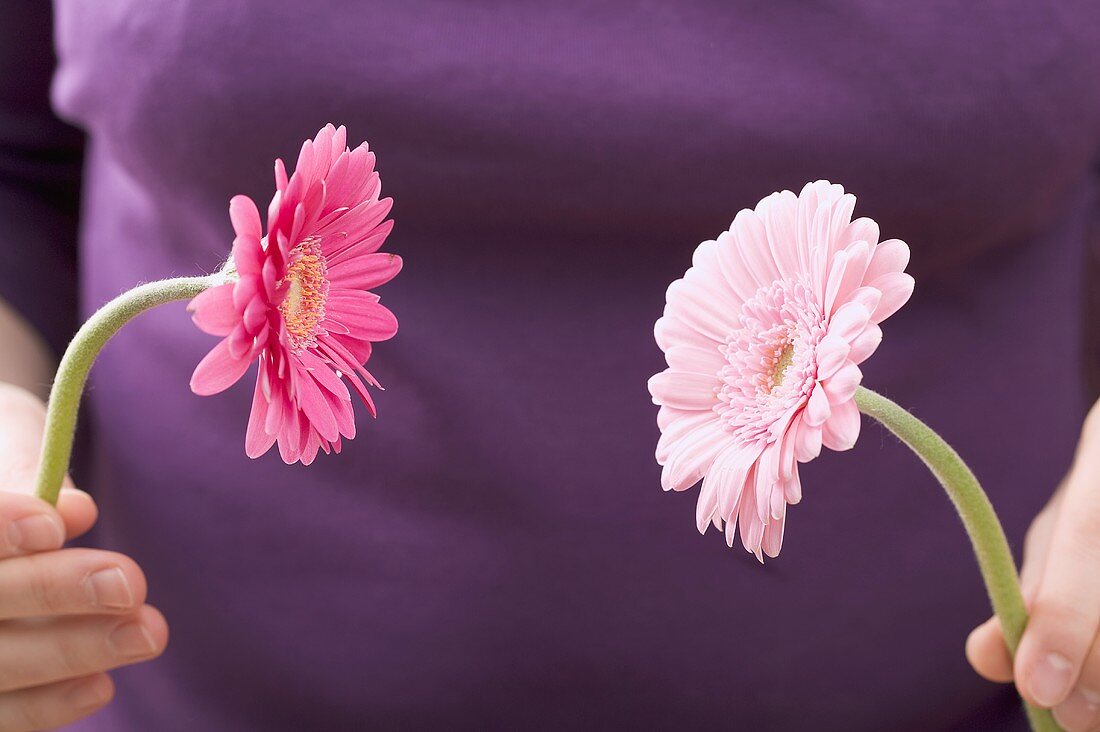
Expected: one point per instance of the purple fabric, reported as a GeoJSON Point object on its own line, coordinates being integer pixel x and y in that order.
{"type": "Point", "coordinates": [495, 551]}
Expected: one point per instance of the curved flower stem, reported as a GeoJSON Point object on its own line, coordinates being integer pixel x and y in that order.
{"type": "Point", "coordinates": [986, 535]}
{"type": "Point", "coordinates": [72, 373]}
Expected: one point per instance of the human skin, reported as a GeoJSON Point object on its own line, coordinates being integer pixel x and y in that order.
{"type": "Point", "coordinates": [1058, 661]}
{"type": "Point", "coordinates": [67, 615]}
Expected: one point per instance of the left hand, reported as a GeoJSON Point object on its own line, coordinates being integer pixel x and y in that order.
{"type": "Point", "coordinates": [1057, 665]}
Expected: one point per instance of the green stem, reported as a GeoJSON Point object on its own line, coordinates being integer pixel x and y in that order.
{"type": "Point", "coordinates": [986, 535]}
{"type": "Point", "coordinates": [68, 385]}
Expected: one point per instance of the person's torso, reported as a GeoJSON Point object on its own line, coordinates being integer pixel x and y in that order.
{"type": "Point", "coordinates": [495, 549]}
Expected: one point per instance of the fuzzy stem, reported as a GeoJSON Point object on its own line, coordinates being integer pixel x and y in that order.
{"type": "Point", "coordinates": [72, 373]}
{"type": "Point", "coordinates": [986, 535]}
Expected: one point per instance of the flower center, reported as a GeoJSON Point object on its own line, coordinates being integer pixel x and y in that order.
{"type": "Point", "coordinates": [782, 363]}
{"type": "Point", "coordinates": [770, 366]}
{"type": "Point", "coordinates": [303, 307]}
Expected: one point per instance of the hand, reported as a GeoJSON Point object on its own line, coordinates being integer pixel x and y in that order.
{"type": "Point", "coordinates": [1057, 665]}
{"type": "Point", "coordinates": [66, 615]}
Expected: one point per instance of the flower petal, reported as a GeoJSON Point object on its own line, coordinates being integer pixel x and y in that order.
{"type": "Point", "coordinates": [246, 288]}
{"type": "Point", "coordinates": [767, 479]}
{"type": "Point", "coordinates": [836, 273]}
{"type": "Point", "coordinates": [666, 416]}
{"type": "Point", "coordinates": [218, 370]}
{"type": "Point", "coordinates": [865, 343]}
{"type": "Point", "coordinates": [792, 489]}
{"type": "Point", "coordinates": [778, 214]}
{"type": "Point", "coordinates": [778, 505]}
{"type": "Point", "coordinates": [697, 307]}
{"type": "Point", "coordinates": [891, 255]}
{"type": "Point", "coordinates": [255, 315]}
{"type": "Point", "coordinates": [732, 264]}
{"type": "Point", "coordinates": [692, 358]}
{"type": "Point", "coordinates": [849, 321]}
{"type": "Point", "coordinates": [361, 314]}
{"type": "Point", "coordinates": [730, 472]}
{"type": "Point", "coordinates": [841, 429]}
{"type": "Point", "coordinates": [752, 528]}
{"type": "Point", "coordinates": [692, 457]}
{"type": "Point", "coordinates": [861, 229]}
{"type": "Point", "coordinates": [670, 331]}
{"type": "Point", "coordinates": [772, 541]}
{"type": "Point", "coordinates": [245, 217]}
{"type": "Point", "coordinates": [681, 429]}
{"type": "Point", "coordinates": [683, 389]}
{"type": "Point", "coordinates": [365, 272]}
{"type": "Point", "coordinates": [706, 506]}
{"type": "Point", "coordinates": [843, 284]}
{"type": "Point", "coordinates": [896, 287]}
{"type": "Point", "coordinates": [257, 440]}
{"type": "Point", "coordinates": [370, 243]}
{"type": "Point", "coordinates": [841, 386]}
{"type": "Point", "coordinates": [807, 444]}
{"type": "Point", "coordinates": [313, 404]}
{"type": "Point", "coordinates": [241, 342]}
{"type": "Point", "coordinates": [213, 310]}
{"type": "Point", "coordinates": [832, 353]}
{"type": "Point", "coordinates": [817, 408]}
{"type": "Point", "coordinates": [868, 297]}
{"type": "Point", "coordinates": [757, 247]}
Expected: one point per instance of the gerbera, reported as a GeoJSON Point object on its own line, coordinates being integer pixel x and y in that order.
{"type": "Point", "coordinates": [763, 338]}
{"type": "Point", "coordinates": [299, 302]}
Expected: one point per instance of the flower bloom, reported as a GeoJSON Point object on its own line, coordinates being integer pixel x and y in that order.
{"type": "Point", "coordinates": [301, 304]}
{"type": "Point", "coordinates": [763, 338]}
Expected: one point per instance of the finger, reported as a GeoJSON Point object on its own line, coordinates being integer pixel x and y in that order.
{"type": "Point", "coordinates": [70, 582]}
{"type": "Point", "coordinates": [1037, 546]}
{"type": "Point", "coordinates": [21, 428]}
{"type": "Point", "coordinates": [987, 652]}
{"type": "Point", "coordinates": [1081, 709]}
{"type": "Point", "coordinates": [68, 648]}
{"type": "Point", "coordinates": [54, 705]}
{"type": "Point", "coordinates": [28, 524]}
{"type": "Point", "coordinates": [1065, 613]}
{"type": "Point", "coordinates": [77, 510]}
{"type": "Point", "coordinates": [24, 419]}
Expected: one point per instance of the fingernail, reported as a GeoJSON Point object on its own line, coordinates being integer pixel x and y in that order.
{"type": "Point", "coordinates": [36, 533]}
{"type": "Point", "coordinates": [1050, 679]}
{"type": "Point", "coordinates": [1079, 711]}
{"type": "Point", "coordinates": [132, 640]}
{"type": "Point", "coordinates": [89, 694]}
{"type": "Point", "coordinates": [108, 588]}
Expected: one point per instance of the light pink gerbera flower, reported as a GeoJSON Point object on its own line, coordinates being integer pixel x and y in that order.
{"type": "Point", "coordinates": [763, 337]}
{"type": "Point", "coordinates": [301, 304]}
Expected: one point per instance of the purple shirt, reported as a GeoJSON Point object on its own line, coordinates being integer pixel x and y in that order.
{"type": "Point", "coordinates": [495, 551]}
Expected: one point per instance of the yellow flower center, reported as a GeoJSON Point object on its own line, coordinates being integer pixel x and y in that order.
{"type": "Point", "coordinates": [784, 354]}
{"type": "Point", "coordinates": [303, 308]}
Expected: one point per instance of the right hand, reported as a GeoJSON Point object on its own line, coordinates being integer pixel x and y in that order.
{"type": "Point", "coordinates": [66, 615]}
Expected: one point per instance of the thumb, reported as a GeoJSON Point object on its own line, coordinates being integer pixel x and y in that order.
{"type": "Point", "coordinates": [986, 648]}
{"type": "Point", "coordinates": [987, 652]}
{"type": "Point", "coordinates": [22, 422]}
{"type": "Point", "coordinates": [1065, 604]}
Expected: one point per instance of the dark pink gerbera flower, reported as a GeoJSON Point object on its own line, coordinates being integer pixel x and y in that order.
{"type": "Point", "coordinates": [298, 301]}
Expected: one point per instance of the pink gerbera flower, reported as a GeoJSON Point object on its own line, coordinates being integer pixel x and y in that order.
{"type": "Point", "coordinates": [299, 301]}
{"type": "Point", "coordinates": [763, 337]}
